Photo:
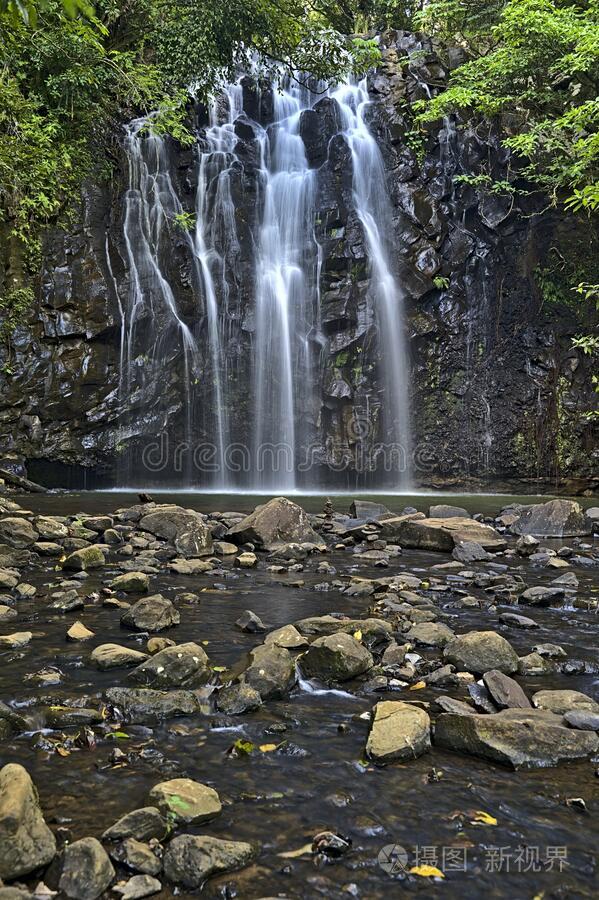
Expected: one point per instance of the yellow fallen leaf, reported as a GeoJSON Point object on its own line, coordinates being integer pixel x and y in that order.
{"type": "Point", "coordinates": [267, 748]}
{"type": "Point", "coordinates": [418, 686]}
{"type": "Point", "coordinates": [293, 854]}
{"type": "Point", "coordinates": [358, 635]}
{"type": "Point", "coordinates": [62, 751]}
{"type": "Point", "coordinates": [484, 818]}
{"type": "Point", "coordinates": [427, 872]}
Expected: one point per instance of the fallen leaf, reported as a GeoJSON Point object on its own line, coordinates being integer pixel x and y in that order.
{"type": "Point", "coordinates": [418, 686]}
{"type": "Point", "coordinates": [358, 635]}
{"type": "Point", "coordinates": [293, 854]}
{"type": "Point", "coordinates": [267, 748]}
{"type": "Point", "coordinates": [62, 751]}
{"type": "Point", "coordinates": [427, 872]}
{"type": "Point", "coordinates": [483, 818]}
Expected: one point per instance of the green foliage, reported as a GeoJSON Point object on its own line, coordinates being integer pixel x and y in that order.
{"type": "Point", "coordinates": [186, 221]}
{"type": "Point", "coordinates": [532, 66]}
{"type": "Point", "coordinates": [440, 282]}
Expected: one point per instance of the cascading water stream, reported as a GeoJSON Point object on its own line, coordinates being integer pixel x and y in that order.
{"type": "Point", "coordinates": [374, 211]}
{"type": "Point", "coordinates": [288, 347]}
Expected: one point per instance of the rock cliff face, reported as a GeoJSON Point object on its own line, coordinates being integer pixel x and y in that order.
{"type": "Point", "coordinates": [497, 392]}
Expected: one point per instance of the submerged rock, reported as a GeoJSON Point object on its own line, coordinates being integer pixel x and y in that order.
{"type": "Point", "coordinates": [190, 859]}
{"type": "Point", "coordinates": [399, 731]}
{"type": "Point", "coordinates": [277, 522]}
{"type": "Point", "coordinates": [518, 738]}
{"type": "Point", "coordinates": [144, 706]}
{"type": "Point", "coordinates": [335, 657]}
{"type": "Point", "coordinates": [271, 671]}
{"type": "Point", "coordinates": [479, 651]}
{"type": "Point", "coordinates": [26, 842]}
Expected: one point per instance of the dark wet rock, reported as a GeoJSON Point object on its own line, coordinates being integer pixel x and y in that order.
{"type": "Point", "coordinates": [277, 522]}
{"type": "Point", "coordinates": [399, 731]}
{"type": "Point", "coordinates": [445, 511]}
{"type": "Point", "coordinates": [271, 671]}
{"type": "Point", "coordinates": [136, 855]}
{"type": "Point", "coordinates": [517, 738]}
{"type": "Point", "coordinates": [190, 859]}
{"type": "Point", "coordinates": [373, 630]}
{"type": "Point", "coordinates": [67, 602]}
{"type": "Point", "coordinates": [394, 654]}
{"type": "Point", "coordinates": [534, 664]}
{"type": "Point", "coordinates": [557, 518]}
{"type": "Point", "coordinates": [185, 801]}
{"type": "Point", "coordinates": [156, 644]}
{"type": "Point", "coordinates": [11, 722]}
{"type": "Point", "coordinates": [250, 622]}
{"type": "Point", "coordinates": [584, 720]}
{"type": "Point", "coordinates": [85, 870]}
{"type": "Point", "coordinates": [26, 842]}
{"type": "Point", "coordinates": [142, 824]}
{"type": "Point", "coordinates": [317, 126]}
{"type": "Point", "coordinates": [153, 613]}
{"type": "Point", "coordinates": [482, 698]}
{"type": "Point", "coordinates": [137, 887]}
{"type": "Point", "coordinates": [444, 534]}
{"type": "Point", "coordinates": [181, 665]}
{"type": "Point", "coordinates": [17, 532]}
{"type": "Point", "coordinates": [367, 509]}
{"type": "Point", "coordinates": [430, 634]}
{"type": "Point", "coordinates": [479, 651]}
{"type": "Point", "coordinates": [236, 699]}
{"type": "Point", "coordinates": [440, 676]}
{"type": "Point", "coordinates": [144, 706]}
{"type": "Point", "coordinates": [114, 656]}
{"type": "Point", "coordinates": [185, 529]}
{"type": "Point", "coordinates": [505, 691]}
{"type": "Point", "coordinates": [553, 651]}
{"type": "Point", "coordinates": [51, 528]}
{"type": "Point", "coordinates": [335, 657]}
{"type": "Point", "coordinates": [84, 559]}
{"type": "Point", "coordinates": [287, 637]}
{"type": "Point", "coordinates": [516, 621]}
{"type": "Point", "coordinates": [541, 596]}
{"type": "Point", "coordinates": [457, 707]}
{"type": "Point", "coordinates": [469, 552]}
{"type": "Point", "coordinates": [131, 583]}
{"type": "Point", "coordinates": [72, 716]}
{"type": "Point", "coordinates": [561, 702]}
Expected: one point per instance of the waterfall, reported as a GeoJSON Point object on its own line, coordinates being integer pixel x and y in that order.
{"type": "Point", "coordinates": [180, 336]}
{"type": "Point", "coordinates": [374, 211]}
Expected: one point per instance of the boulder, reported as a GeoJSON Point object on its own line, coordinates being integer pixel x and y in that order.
{"type": "Point", "coordinates": [131, 583]}
{"type": "Point", "coordinates": [84, 559]}
{"type": "Point", "coordinates": [7, 613]}
{"type": "Point", "coordinates": [557, 518]}
{"type": "Point", "coordinates": [185, 801]}
{"type": "Point", "coordinates": [190, 859]}
{"type": "Point", "coordinates": [142, 824]}
{"type": "Point", "coordinates": [373, 630]}
{"type": "Point", "coordinates": [399, 731]}
{"type": "Point", "coordinates": [517, 738]}
{"type": "Point", "coordinates": [561, 702]}
{"type": "Point", "coordinates": [153, 613]}
{"type": "Point", "coordinates": [516, 621]}
{"type": "Point", "coordinates": [430, 634]}
{"type": "Point", "coordinates": [185, 529]}
{"type": "Point", "coordinates": [191, 566]}
{"type": "Point", "coordinates": [444, 534]}
{"type": "Point", "coordinates": [277, 522]}
{"type": "Point", "coordinates": [85, 870]}
{"type": "Point", "coordinates": [541, 596]}
{"type": "Point", "coordinates": [113, 656]}
{"type": "Point", "coordinates": [26, 842]}
{"type": "Point", "coordinates": [479, 651]}
{"type": "Point", "coordinates": [143, 706]}
{"type": "Point", "coordinates": [246, 560]}
{"type": "Point", "coordinates": [446, 511]}
{"type": "Point", "coordinates": [181, 665]}
{"type": "Point", "coordinates": [469, 552]}
{"type": "Point", "coordinates": [79, 632]}
{"type": "Point", "coordinates": [235, 699]}
{"type": "Point", "coordinates": [534, 664]}
{"type": "Point", "coordinates": [271, 671]}
{"type": "Point", "coordinates": [288, 637]}
{"type": "Point", "coordinates": [136, 855]}
{"type": "Point", "coordinates": [50, 528]}
{"type": "Point", "coordinates": [367, 509]}
{"type": "Point", "coordinates": [17, 532]}
{"type": "Point", "coordinates": [390, 529]}
{"type": "Point", "coordinates": [15, 640]}
{"type": "Point", "coordinates": [583, 719]}
{"type": "Point", "coordinates": [335, 657]}
{"type": "Point", "coordinates": [526, 545]}
{"type": "Point", "coordinates": [505, 692]}
{"type": "Point", "coordinates": [137, 887]}
{"type": "Point", "coordinates": [250, 622]}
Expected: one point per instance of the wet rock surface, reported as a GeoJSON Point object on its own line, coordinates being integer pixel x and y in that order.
{"type": "Point", "coordinates": [381, 705]}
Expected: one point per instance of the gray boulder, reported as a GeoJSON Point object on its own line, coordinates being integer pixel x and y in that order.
{"type": "Point", "coordinates": [517, 738]}
{"type": "Point", "coordinates": [399, 731]}
{"type": "Point", "coordinates": [505, 692]}
{"type": "Point", "coordinates": [271, 671]}
{"type": "Point", "coordinates": [444, 534]}
{"type": "Point", "coordinates": [561, 702]}
{"type": "Point", "coordinates": [469, 552]}
{"type": "Point", "coordinates": [113, 656]}
{"type": "Point", "coordinates": [277, 522]}
{"type": "Point", "coordinates": [186, 801]}
{"type": "Point", "coordinates": [84, 559]}
{"type": "Point", "coordinates": [445, 511]}
{"type": "Point", "coordinates": [430, 634]}
{"type": "Point", "coordinates": [17, 532]}
{"type": "Point", "coordinates": [557, 518]}
{"type": "Point", "coordinates": [335, 657]}
{"type": "Point", "coordinates": [153, 613]}
{"type": "Point", "coordinates": [85, 870]}
{"type": "Point", "coordinates": [144, 706]}
{"type": "Point", "coordinates": [235, 699]}
{"type": "Point", "coordinates": [190, 859]}
{"type": "Point", "coordinates": [185, 529]}
{"type": "Point", "coordinates": [181, 665]}
{"type": "Point", "coordinates": [26, 842]}
{"type": "Point", "coordinates": [142, 824]}
{"type": "Point", "coordinates": [479, 651]}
